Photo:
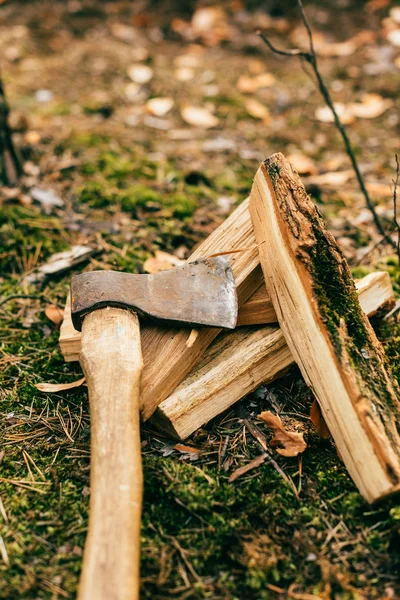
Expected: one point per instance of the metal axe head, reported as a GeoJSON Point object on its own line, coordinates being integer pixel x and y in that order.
{"type": "Point", "coordinates": [198, 293]}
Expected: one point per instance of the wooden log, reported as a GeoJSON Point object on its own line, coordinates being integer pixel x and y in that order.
{"type": "Point", "coordinates": [170, 353]}
{"type": "Point", "coordinates": [315, 300]}
{"type": "Point", "coordinates": [375, 291]}
{"type": "Point", "coordinates": [238, 362]}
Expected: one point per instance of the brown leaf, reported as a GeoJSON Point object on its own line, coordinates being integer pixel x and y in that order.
{"type": "Point", "coordinates": [199, 117]}
{"type": "Point", "coordinates": [59, 387]}
{"type": "Point", "coordinates": [303, 164]}
{"type": "Point", "coordinates": [318, 420]}
{"type": "Point", "coordinates": [258, 110]}
{"type": "Point", "coordinates": [253, 464]}
{"type": "Point", "coordinates": [292, 441]}
{"type": "Point", "coordinates": [140, 73]}
{"type": "Point", "coordinates": [249, 85]}
{"type": "Point", "coordinates": [54, 313]}
{"type": "Point", "coordinates": [186, 449]}
{"type": "Point", "coordinates": [159, 106]}
{"type": "Point", "coordinates": [161, 261]}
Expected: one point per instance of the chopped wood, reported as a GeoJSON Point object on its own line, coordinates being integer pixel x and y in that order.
{"type": "Point", "coordinates": [167, 355]}
{"type": "Point", "coordinates": [316, 303]}
{"type": "Point", "coordinates": [234, 365]}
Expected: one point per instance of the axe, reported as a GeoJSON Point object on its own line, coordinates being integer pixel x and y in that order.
{"type": "Point", "coordinates": [106, 306]}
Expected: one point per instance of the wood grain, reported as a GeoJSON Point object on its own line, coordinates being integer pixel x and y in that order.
{"type": "Point", "coordinates": [169, 353]}
{"type": "Point", "coordinates": [112, 362]}
{"type": "Point", "coordinates": [330, 338]}
{"type": "Point", "coordinates": [238, 362]}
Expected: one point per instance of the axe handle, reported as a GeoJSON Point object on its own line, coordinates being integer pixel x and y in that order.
{"type": "Point", "coordinates": [111, 359]}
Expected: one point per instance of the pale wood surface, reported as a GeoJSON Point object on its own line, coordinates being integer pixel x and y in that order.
{"type": "Point", "coordinates": [112, 362]}
{"type": "Point", "coordinates": [167, 355]}
{"type": "Point", "coordinates": [238, 362]}
{"type": "Point", "coordinates": [306, 274]}
{"type": "Point", "coordinates": [375, 289]}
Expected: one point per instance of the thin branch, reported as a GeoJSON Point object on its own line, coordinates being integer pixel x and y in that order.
{"type": "Point", "coordinates": [311, 58]}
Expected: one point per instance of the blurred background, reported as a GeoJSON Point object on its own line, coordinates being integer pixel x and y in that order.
{"type": "Point", "coordinates": [138, 127]}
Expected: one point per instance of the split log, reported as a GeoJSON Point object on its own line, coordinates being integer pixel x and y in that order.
{"type": "Point", "coordinates": [375, 294]}
{"type": "Point", "coordinates": [238, 362]}
{"type": "Point", "coordinates": [330, 338]}
{"type": "Point", "coordinates": [170, 353]}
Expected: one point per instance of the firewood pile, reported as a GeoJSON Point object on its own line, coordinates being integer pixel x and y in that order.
{"type": "Point", "coordinates": [297, 304]}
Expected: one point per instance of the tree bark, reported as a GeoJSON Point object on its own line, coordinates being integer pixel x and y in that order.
{"type": "Point", "coordinates": [313, 293]}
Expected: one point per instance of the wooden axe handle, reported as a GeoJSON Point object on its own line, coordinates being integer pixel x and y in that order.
{"type": "Point", "coordinates": [111, 359]}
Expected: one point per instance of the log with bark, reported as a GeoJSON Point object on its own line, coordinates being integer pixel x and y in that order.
{"type": "Point", "coordinates": [238, 362]}
{"type": "Point", "coordinates": [330, 338]}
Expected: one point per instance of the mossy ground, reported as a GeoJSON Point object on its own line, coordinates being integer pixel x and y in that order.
{"type": "Point", "coordinates": [131, 191]}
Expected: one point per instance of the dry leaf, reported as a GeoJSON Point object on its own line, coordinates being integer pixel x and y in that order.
{"type": "Point", "coordinates": [302, 163]}
{"type": "Point", "coordinates": [159, 106]}
{"type": "Point", "coordinates": [162, 261]}
{"type": "Point", "coordinates": [206, 18]}
{"type": "Point", "coordinates": [54, 313]}
{"type": "Point", "coordinates": [59, 387]}
{"type": "Point", "coordinates": [253, 464]}
{"type": "Point", "coordinates": [394, 37]}
{"type": "Point", "coordinates": [318, 420]}
{"type": "Point", "coordinates": [140, 73]}
{"type": "Point", "coordinates": [249, 85]}
{"type": "Point", "coordinates": [184, 74]}
{"type": "Point", "coordinates": [336, 178]}
{"type": "Point", "coordinates": [199, 117]}
{"type": "Point", "coordinates": [186, 449]}
{"type": "Point", "coordinates": [292, 442]}
{"type": "Point", "coordinates": [257, 110]}
{"type": "Point", "coordinates": [370, 107]}
{"type": "Point", "coordinates": [324, 114]}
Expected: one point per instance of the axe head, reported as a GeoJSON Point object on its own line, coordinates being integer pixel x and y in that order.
{"type": "Point", "coordinates": [198, 293]}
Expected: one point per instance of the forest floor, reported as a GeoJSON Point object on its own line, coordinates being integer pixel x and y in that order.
{"type": "Point", "coordinates": [128, 180]}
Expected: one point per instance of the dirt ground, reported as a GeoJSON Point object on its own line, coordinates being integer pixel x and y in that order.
{"type": "Point", "coordinates": [128, 176]}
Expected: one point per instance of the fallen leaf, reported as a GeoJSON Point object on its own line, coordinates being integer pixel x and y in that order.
{"type": "Point", "coordinates": [47, 198]}
{"type": "Point", "coordinates": [199, 117]}
{"type": "Point", "coordinates": [394, 37]}
{"type": "Point", "coordinates": [318, 420]}
{"type": "Point", "coordinates": [253, 464]}
{"type": "Point", "coordinates": [59, 387]}
{"type": "Point", "coordinates": [140, 73]}
{"type": "Point", "coordinates": [54, 313]}
{"type": "Point", "coordinates": [61, 261]}
{"type": "Point", "coordinates": [206, 18]}
{"type": "Point", "coordinates": [186, 449]}
{"type": "Point", "coordinates": [324, 114]}
{"type": "Point", "coordinates": [210, 24]}
{"type": "Point", "coordinates": [159, 106]}
{"type": "Point", "coordinates": [292, 441]}
{"type": "Point", "coordinates": [258, 110]}
{"type": "Point", "coordinates": [302, 163]}
{"type": "Point", "coordinates": [32, 137]}
{"type": "Point", "coordinates": [249, 85]}
{"type": "Point", "coordinates": [370, 107]}
{"type": "Point", "coordinates": [335, 178]}
{"type": "Point", "coordinates": [161, 261]}
{"type": "Point", "coordinates": [395, 14]}
{"type": "Point", "coordinates": [184, 74]}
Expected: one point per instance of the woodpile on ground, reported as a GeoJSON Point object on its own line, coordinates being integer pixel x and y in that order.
{"type": "Point", "coordinates": [297, 304]}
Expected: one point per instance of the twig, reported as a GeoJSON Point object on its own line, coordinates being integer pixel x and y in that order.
{"type": "Point", "coordinates": [311, 58]}
{"type": "Point", "coordinates": [397, 225]}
